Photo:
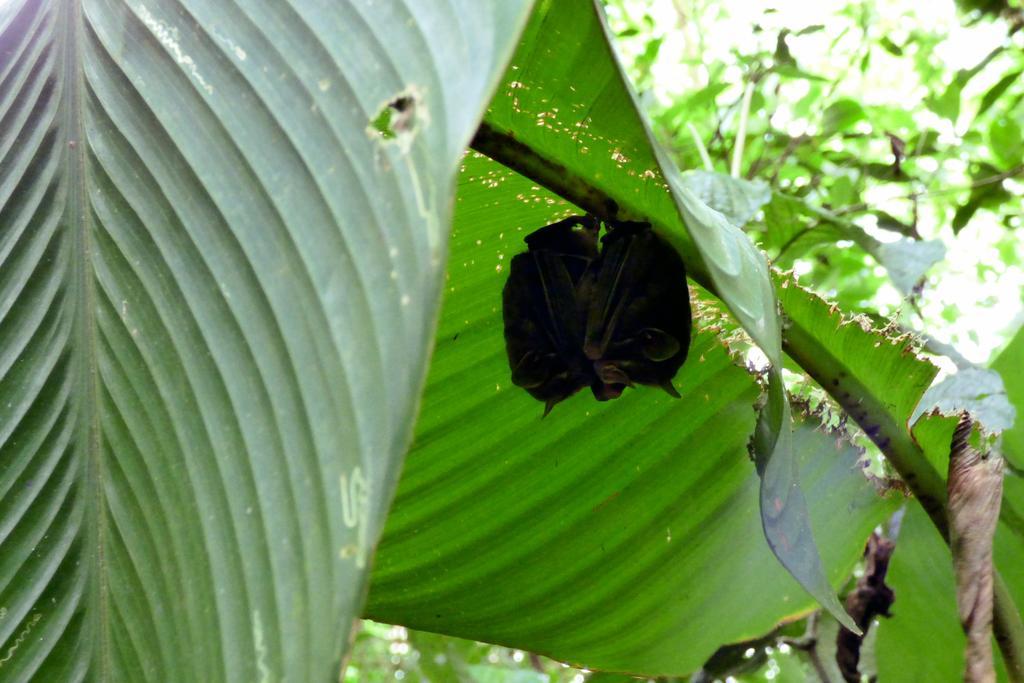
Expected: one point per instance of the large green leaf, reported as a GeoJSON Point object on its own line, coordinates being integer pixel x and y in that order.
{"type": "Point", "coordinates": [622, 535]}
{"type": "Point", "coordinates": [567, 118]}
{"type": "Point", "coordinates": [218, 286]}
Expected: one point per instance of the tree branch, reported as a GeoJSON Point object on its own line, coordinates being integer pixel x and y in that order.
{"type": "Point", "coordinates": [892, 438]}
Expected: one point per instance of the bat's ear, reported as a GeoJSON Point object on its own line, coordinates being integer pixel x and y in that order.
{"type": "Point", "coordinates": [658, 345]}
{"type": "Point", "coordinates": [548, 405]}
{"type": "Point", "coordinates": [670, 389]}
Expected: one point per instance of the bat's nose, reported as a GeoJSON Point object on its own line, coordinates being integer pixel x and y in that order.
{"type": "Point", "coordinates": [606, 392]}
{"type": "Point", "coordinates": [610, 373]}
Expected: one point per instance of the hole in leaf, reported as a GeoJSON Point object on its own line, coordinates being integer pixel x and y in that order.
{"type": "Point", "coordinates": [397, 118]}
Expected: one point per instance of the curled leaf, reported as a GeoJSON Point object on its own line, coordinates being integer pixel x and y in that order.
{"type": "Point", "coordinates": [975, 487]}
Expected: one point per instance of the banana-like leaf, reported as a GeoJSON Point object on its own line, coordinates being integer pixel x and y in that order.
{"type": "Point", "coordinates": [566, 116]}
{"type": "Point", "coordinates": [623, 535]}
{"type": "Point", "coordinates": [218, 288]}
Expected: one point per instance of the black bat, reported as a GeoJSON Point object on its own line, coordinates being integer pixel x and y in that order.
{"type": "Point", "coordinates": [544, 318]}
{"type": "Point", "coordinates": [577, 316]}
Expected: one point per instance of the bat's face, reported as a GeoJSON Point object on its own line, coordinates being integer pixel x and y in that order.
{"type": "Point", "coordinates": [576, 316]}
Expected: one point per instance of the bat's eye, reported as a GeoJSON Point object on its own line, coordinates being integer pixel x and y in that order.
{"type": "Point", "coordinates": [658, 345]}
{"type": "Point", "coordinates": [534, 369]}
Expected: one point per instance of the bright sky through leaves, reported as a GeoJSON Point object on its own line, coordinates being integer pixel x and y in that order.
{"type": "Point", "coordinates": [972, 299]}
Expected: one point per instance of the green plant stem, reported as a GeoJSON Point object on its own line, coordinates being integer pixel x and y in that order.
{"type": "Point", "coordinates": [701, 149]}
{"type": "Point", "coordinates": [741, 133]}
{"type": "Point", "coordinates": [867, 410]}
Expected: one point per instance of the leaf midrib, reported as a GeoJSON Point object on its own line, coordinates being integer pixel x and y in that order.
{"type": "Point", "coordinates": [83, 292]}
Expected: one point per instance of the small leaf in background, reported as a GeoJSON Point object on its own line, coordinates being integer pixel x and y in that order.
{"type": "Point", "coordinates": [842, 192]}
{"type": "Point", "coordinates": [891, 47]}
{"type": "Point", "coordinates": [965, 212]}
{"type": "Point", "coordinates": [978, 391]}
{"type": "Point", "coordinates": [997, 90]}
{"type": "Point", "coordinates": [1004, 139]}
{"type": "Point", "coordinates": [908, 260]}
{"type": "Point", "coordinates": [886, 221]}
{"type": "Point", "coordinates": [737, 199]}
{"type": "Point", "coordinates": [946, 103]}
{"type": "Point", "coordinates": [795, 72]}
{"type": "Point", "coordinates": [975, 489]}
{"type": "Point", "coordinates": [787, 526]}
{"type": "Point", "coordinates": [782, 53]}
{"type": "Point", "coordinates": [841, 116]}
{"type": "Point", "coordinates": [792, 230]}
{"type": "Point", "coordinates": [484, 673]}
{"type": "Point", "coordinates": [811, 28]}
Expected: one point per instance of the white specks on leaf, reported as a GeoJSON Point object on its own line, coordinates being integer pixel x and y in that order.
{"type": "Point", "coordinates": [168, 37]}
{"type": "Point", "coordinates": [431, 218]}
{"type": "Point", "coordinates": [355, 510]}
{"type": "Point", "coordinates": [235, 48]}
{"type": "Point", "coordinates": [20, 638]}
{"type": "Point", "coordinates": [261, 647]}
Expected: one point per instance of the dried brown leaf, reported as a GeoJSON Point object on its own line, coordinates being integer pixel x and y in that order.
{"type": "Point", "coordinates": [975, 486]}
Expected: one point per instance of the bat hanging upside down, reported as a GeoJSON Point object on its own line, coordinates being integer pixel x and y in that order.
{"type": "Point", "coordinates": [577, 316]}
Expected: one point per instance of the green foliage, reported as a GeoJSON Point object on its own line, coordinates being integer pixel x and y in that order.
{"type": "Point", "coordinates": [861, 142]}
{"type": "Point", "coordinates": [223, 233]}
